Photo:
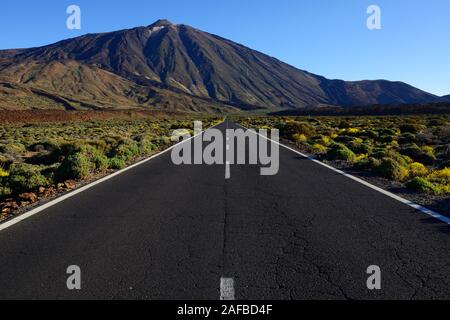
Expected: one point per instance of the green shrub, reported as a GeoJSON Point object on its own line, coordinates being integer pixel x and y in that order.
{"type": "Point", "coordinates": [95, 156]}
{"type": "Point", "coordinates": [3, 160]}
{"type": "Point", "coordinates": [318, 148]}
{"type": "Point", "coordinates": [3, 173]}
{"type": "Point", "coordinates": [418, 170]}
{"type": "Point", "coordinates": [401, 159]}
{"type": "Point", "coordinates": [407, 138]}
{"type": "Point", "coordinates": [344, 139]}
{"type": "Point", "coordinates": [13, 148]}
{"type": "Point", "coordinates": [126, 151]}
{"type": "Point", "coordinates": [361, 164]}
{"type": "Point", "coordinates": [388, 132]}
{"type": "Point", "coordinates": [76, 166]}
{"type": "Point", "coordinates": [100, 161]}
{"type": "Point", "coordinates": [325, 141]}
{"type": "Point", "coordinates": [371, 134]}
{"type": "Point", "coordinates": [367, 164]}
{"type": "Point", "coordinates": [441, 177]}
{"type": "Point", "coordinates": [340, 152]}
{"type": "Point", "coordinates": [25, 178]}
{"type": "Point", "coordinates": [386, 139]}
{"type": "Point", "coordinates": [424, 155]}
{"type": "Point", "coordinates": [299, 137]}
{"type": "Point", "coordinates": [344, 124]}
{"type": "Point", "coordinates": [116, 163]}
{"type": "Point", "coordinates": [443, 151]}
{"type": "Point", "coordinates": [81, 162]}
{"type": "Point", "coordinates": [357, 146]}
{"type": "Point", "coordinates": [161, 141]}
{"type": "Point", "coordinates": [391, 169]}
{"type": "Point", "coordinates": [292, 128]}
{"type": "Point", "coordinates": [380, 153]}
{"type": "Point", "coordinates": [146, 147]}
{"type": "Point", "coordinates": [442, 133]}
{"type": "Point", "coordinates": [99, 145]}
{"type": "Point", "coordinates": [70, 148]}
{"type": "Point", "coordinates": [410, 128]}
{"type": "Point", "coordinates": [374, 163]}
{"type": "Point", "coordinates": [429, 152]}
{"type": "Point", "coordinates": [423, 185]}
{"type": "Point", "coordinates": [5, 191]}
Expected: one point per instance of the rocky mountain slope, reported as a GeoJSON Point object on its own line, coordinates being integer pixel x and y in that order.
{"type": "Point", "coordinates": [174, 67]}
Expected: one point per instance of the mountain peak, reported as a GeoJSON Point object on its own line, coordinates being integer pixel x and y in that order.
{"type": "Point", "coordinates": [161, 23]}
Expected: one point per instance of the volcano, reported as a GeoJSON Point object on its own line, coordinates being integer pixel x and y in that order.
{"type": "Point", "coordinates": [175, 67]}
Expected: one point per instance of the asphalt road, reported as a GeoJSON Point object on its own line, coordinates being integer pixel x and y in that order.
{"type": "Point", "coordinates": [161, 231]}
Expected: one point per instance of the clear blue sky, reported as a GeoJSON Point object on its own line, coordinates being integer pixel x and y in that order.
{"type": "Point", "coordinates": [326, 37]}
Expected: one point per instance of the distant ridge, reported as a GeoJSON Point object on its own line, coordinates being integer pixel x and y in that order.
{"type": "Point", "coordinates": [175, 67]}
{"type": "Point", "coordinates": [445, 98]}
{"type": "Point", "coordinates": [375, 110]}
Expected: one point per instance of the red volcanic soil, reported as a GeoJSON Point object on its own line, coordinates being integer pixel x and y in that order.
{"type": "Point", "coordinates": [39, 116]}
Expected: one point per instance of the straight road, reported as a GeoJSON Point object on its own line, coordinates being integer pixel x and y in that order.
{"type": "Point", "coordinates": [161, 231]}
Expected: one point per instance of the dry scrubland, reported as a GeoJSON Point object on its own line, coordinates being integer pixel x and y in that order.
{"type": "Point", "coordinates": [40, 160]}
{"type": "Point", "coordinates": [413, 150]}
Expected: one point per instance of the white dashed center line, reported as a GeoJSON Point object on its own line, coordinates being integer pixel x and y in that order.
{"type": "Point", "coordinates": [227, 289]}
{"type": "Point", "coordinates": [227, 170]}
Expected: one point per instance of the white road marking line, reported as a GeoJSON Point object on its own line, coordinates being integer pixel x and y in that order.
{"type": "Point", "coordinates": [227, 170]}
{"type": "Point", "coordinates": [14, 221]}
{"type": "Point", "coordinates": [409, 203]}
{"type": "Point", "coordinates": [228, 163]}
{"type": "Point", "coordinates": [227, 289]}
